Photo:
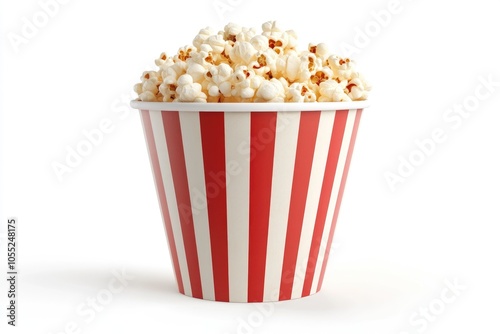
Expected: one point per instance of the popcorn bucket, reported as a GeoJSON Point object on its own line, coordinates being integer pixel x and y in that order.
{"type": "Point", "coordinates": [250, 192]}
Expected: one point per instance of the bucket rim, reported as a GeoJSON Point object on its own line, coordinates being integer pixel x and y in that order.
{"type": "Point", "coordinates": [247, 106]}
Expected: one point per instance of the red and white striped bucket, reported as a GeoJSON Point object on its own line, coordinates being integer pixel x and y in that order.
{"type": "Point", "coordinates": [250, 193]}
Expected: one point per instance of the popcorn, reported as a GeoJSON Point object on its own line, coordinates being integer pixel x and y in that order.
{"type": "Point", "coordinates": [164, 61]}
{"type": "Point", "coordinates": [358, 89]}
{"type": "Point", "coordinates": [292, 39]}
{"type": "Point", "coordinates": [150, 76]}
{"type": "Point", "coordinates": [172, 73]}
{"type": "Point", "coordinates": [245, 83]}
{"type": "Point", "coordinates": [289, 66]}
{"type": "Point", "coordinates": [184, 53]}
{"type": "Point", "coordinates": [342, 67]}
{"type": "Point", "coordinates": [320, 50]}
{"type": "Point", "coordinates": [246, 34]}
{"type": "Point", "coordinates": [241, 84]}
{"type": "Point", "coordinates": [260, 43]}
{"type": "Point", "coordinates": [203, 57]}
{"type": "Point", "coordinates": [168, 91]}
{"type": "Point", "coordinates": [217, 43]}
{"type": "Point", "coordinates": [231, 30]}
{"type": "Point", "coordinates": [284, 82]}
{"type": "Point", "coordinates": [270, 27]}
{"type": "Point", "coordinates": [202, 37]}
{"type": "Point", "coordinates": [238, 64]}
{"type": "Point", "coordinates": [309, 64]}
{"type": "Point", "coordinates": [298, 92]}
{"type": "Point", "coordinates": [196, 71]}
{"type": "Point", "coordinates": [270, 58]}
{"type": "Point", "coordinates": [219, 80]}
{"type": "Point", "coordinates": [333, 91]}
{"type": "Point", "coordinates": [148, 88]}
{"type": "Point", "coordinates": [243, 53]}
{"type": "Point", "coordinates": [278, 41]}
{"type": "Point", "coordinates": [260, 66]}
{"type": "Point", "coordinates": [189, 91]}
{"type": "Point", "coordinates": [322, 74]}
{"type": "Point", "coordinates": [271, 91]}
{"type": "Point", "coordinates": [147, 96]}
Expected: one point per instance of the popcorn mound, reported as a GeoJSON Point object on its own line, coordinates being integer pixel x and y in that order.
{"type": "Point", "coordinates": [239, 65]}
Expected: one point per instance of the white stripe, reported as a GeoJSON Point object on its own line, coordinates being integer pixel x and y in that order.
{"type": "Point", "coordinates": [168, 184]}
{"type": "Point", "coordinates": [346, 140]}
{"type": "Point", "coordinates": [193, 153]}
{"type": "Point", "coordinates": [313, 194]}
{"type": "Point", "coordinates": [237, 130]}
{"type": "Point", "coordinates": [287, 132]}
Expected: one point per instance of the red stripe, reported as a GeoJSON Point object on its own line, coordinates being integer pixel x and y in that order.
{"type": "Point", "coordinates": [308, 130]}
{"type": "Point", "coordinates": [341, 193]}
{"type": "Point", "coordinates": [155, 164]}
{"type": "Point", "coordinates": [172, 125]}
{"type": "Point", "coordinates": [214, 161]}
{"type": "Point", "coordinates": [262, 140]}
{"type": "Point", "coordinates": [324, 200]}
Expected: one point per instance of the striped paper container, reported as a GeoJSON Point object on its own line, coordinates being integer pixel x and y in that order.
{"type": "Point", "coordinates": [250, 193]}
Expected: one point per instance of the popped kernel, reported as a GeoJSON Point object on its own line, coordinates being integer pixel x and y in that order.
{"type": "Point", "coordinates": [231, 30]}
{"type": "Point", "coordinates": [217, 43]}
{"type": "Point", "coordinates": [333, 91]}
{"type": "Point", "coordinates": [189, 91]}
{"type": "Point", "coordinates": [168, 91]}
{"type": "Point", "coordinates": [162, 59]}
{"type": "Point", "coordinates": [260, 42]}
{"type": "Point", "coordinates": [147, 96]}
{"type": "Point", "coordinates": [292, 67]}
{"type": "Point", "coordinates": [202, 37]}
{"type": "Point", "coordinates": [246, 34]}
{"type": "Point", "coordinates": [196, 71]}
{"type": "Point", "coordinates": [242, 83]}
{"type": "Point", "coordinates": [259, 68]}
{"type": "Point", "coordinates": [172, 73]}
{"type": "Point", "coordinates": [243, 53]}
{"type": "Point", "coordinates": [298, 92]}
{"type": "Point", "coordinates": [218, 80]}
{"type": "Point", "coordinates": [357, 89]}
{"type": "Point", "coordinates": [270, 27]}
{"type": "Point", "coordinates": [320, 50]}
{"type": "Point", "coordinates": [271, 91]}
{"type": "Point", "coordinates": [148, 87]}
{"type": "Point", "coordinates": [203, 58]}
{"type": "Point", "coordinates": [342, 67]}
{"type": "Point", "coordinates": [292, 39]}
{"type": "Point", "coordinates": [184, 53]}
{"type": "Point", "coordinates": [322, 74]}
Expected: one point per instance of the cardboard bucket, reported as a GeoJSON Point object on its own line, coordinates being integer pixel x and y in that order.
{"type": "Point", "coordinates": [250, 192]}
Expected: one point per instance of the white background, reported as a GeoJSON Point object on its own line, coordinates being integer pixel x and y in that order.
{"type": "Point", "coordinates": [393, 251]}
